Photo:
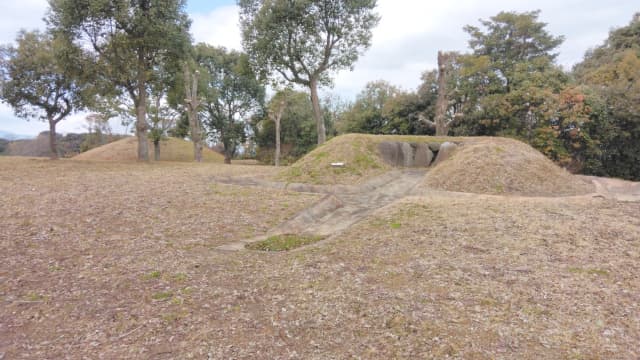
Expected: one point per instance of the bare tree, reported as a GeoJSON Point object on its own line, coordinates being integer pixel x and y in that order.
{"type": "Point", "coordinates": [276, 108]}
{"type": "Point", "coordinates": [442, 104]}
{"type": "Point", "coordinates": [192, 104]}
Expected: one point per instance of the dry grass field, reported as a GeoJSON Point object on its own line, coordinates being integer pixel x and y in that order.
{"type": "Point", "coordinates": [117, 260]}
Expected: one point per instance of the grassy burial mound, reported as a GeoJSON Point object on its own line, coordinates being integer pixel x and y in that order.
{"type": "Point", "coordinates": [504, 166]}
{"type": "Point", "coordinates": [363, 156]}
{"type": "Point", "coordinates": [477, 165]}
{"type": "Point", "coordinates": [171, 149]}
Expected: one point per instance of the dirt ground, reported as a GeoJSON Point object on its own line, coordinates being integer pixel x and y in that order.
{"type": "Point", "coordinates": [436, 276]}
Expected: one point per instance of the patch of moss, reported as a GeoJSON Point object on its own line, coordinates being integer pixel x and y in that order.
{"type": "Point", "coordinates": [180, 277]}
{"type": "Point", "coordinates": [283, 242]}
{"type": "Point", "coordinates": [35, 297]}
{"type": "Point", "coordinates": [322, 154]}
{"type": "Point", "coordinates": [162, 295]}
{"type": "Point", "coordinates": [153, 275]}
{"type": "Point", "coordinates": [600, 272]}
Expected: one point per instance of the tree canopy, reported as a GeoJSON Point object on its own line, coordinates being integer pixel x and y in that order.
{"type": "Point", "coordinates": [125, 44]}
{"type": "Point", "coordinates": [303, 41]}
{"type": "Point", "coordinates": [37, 81]}
{"type": "Point", "coordinates": [232, 93]}
{"type": "Point", "coordinates": [610, 74]}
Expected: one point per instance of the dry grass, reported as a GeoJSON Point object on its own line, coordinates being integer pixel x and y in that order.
{"type": "Point", "coordinates": [485, 277]}
{"type": "Point", "coordinates": [171, 149]}
{"type": "Point", "coordinates": [504, 166]}
{"type": "Point", "coordinates": [461, 276]}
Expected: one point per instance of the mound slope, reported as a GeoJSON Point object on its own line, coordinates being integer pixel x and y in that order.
{"type": "Point", "coordinates": [359, 152]}
{"type": "Point", "coordinates": [171, 149]}
{"type": "Point", "coordinates": [504, 166]}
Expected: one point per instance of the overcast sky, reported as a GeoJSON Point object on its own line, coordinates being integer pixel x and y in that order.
{"type": "Point", "coordinates": [405, 43]}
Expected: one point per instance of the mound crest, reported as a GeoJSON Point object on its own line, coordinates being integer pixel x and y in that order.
{"type": "Point", "coordinates": [362, 155]}
{"type": "Point", "coordinates": [171, 149]}
{"type": "Point", "coordinates": [504, 166]}
{"type": "Point", "coordinates": [484, 165]}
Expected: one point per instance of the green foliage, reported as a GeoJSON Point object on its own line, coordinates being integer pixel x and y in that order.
{"type": "Point", "coordinates": [611, 75]}
{"type": "Point", "coordinates": [232, 93]}
{"type": "Point", "coordinates": [382, 108]}
{"type": "Point", "coordinates": [181, 127]}
{"type": "Point", "coordinates": [126, 46]}
{"type": "Point", "coordinates": [303, 41]}
{"type": "Point", "coordinates": [284, 242]}
{"type": "Point", "coordinates": [508, 84]}
{"type": "Point", "coordinates": [37, 81]}
{"type": "Point", "coordinates": [162, 295]}
{"type": "Point", "coordinates": [297, 128]}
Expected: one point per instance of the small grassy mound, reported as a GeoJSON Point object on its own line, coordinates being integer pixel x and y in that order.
{"type": "Point", "coordinates": [283, 242]}
{"type": "Point", "coordinates": [171, 149]}
{"type": "Point", "coordinates": [504, 166]}
{"type": "Point", "coordinates": [359, 152]}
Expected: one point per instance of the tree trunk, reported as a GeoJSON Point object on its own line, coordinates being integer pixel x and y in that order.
{"type": "Point", "coordinates": [442, 101]}
{"type": "Point", "coordinates": [277, 157]}
{"type": "Point", "coordinates": [156, 150]}
{"type": "Point", "coordinates": [141, 128]}
{"type": "Point", "coordinates": [227, 155]}
{"type": "Point", "coordinates": [141, 113]}
{"type": "Point", "coordinates": [192, 102]}
{"type": "Point", "coordinates": [276, 119]}
{"type": "Point", "coordinates": [53, 146]}
{"type": "Point", "coordinates": [317, 113]}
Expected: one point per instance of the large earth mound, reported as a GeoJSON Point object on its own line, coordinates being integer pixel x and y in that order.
{"type": "Point", "coordinates": [359, 153]}
{"type": "Point", "coordinates": [483, 165]}
{"type": "Point", "coordinates": [504, 166]}
{"type": "Point", "coordinates": [171, 149]}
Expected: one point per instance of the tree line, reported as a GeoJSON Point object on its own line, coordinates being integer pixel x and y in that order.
{"type": "Point", "coordinates": [136, 60]}
{"type": "Point", "coordinates": [509, 84]}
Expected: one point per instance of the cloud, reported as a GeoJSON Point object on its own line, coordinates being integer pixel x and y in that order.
{"type": "Point", "coordinates": [23, 14]}
{"type": "Point", "coordinates": [410, 33]}
{"type": "Point", "coordinates": [219, 27]}
{"type": "Point", "coordinates": [404, 45]}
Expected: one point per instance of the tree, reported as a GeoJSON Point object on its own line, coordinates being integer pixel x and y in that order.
{"type": "Point", "coordinates": [512, 38]}
{"type": "Point", "coordinates": [508, 85]}
{"type": "Point", "coordinates": [125, 44]}
{"type": "Point", "coordinates": [161, 118]}
{"type": "Point", "coordinates": [610, 74]}
{"type": "Point", "coordinates": [304, 40]}
{"type": "Point", "coordinates": [38, 83]}
{"type": "Point", "coordinates": [192, 104]}
{"type": "Point", "coordinates": [181, 129]}
{"type": "Point", "coordinates": [442, 104]}
{"type": "Point", "coordinates": [232, 93]}
{"type": "Point", "coordinates": [297, 129]}
{"type": "Point", "coordinates": [382, 108]}
{"type": "Point", "coordinates": [98, 129]}
{"type": "Point", "coordinates": [276, 107]}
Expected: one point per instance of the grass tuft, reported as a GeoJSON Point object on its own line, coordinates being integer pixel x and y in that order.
{"type": "Point", "coordinates": [284, 242]}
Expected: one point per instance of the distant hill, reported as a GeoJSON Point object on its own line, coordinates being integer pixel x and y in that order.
{"type": "Point", "coordinates": [68, 145]}
{"type": "Point", "coordinates": [6, 135]}
{"type": "Point", "coordinates": [171, 149]}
